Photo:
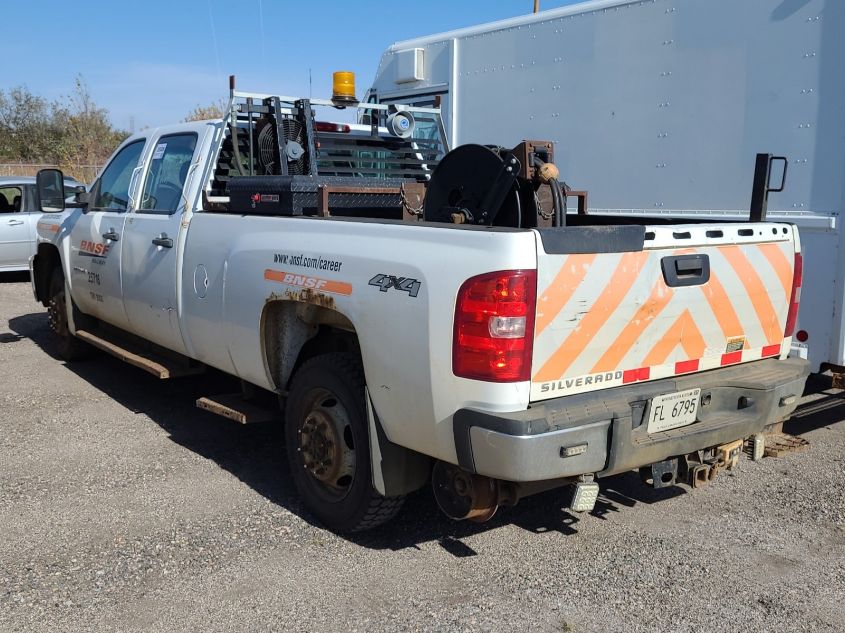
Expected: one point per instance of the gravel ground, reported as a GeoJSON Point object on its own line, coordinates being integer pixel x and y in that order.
{"type": "Point", "coordinates": [125, 508]}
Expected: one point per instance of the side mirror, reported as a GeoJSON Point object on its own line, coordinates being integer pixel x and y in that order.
{"type": "Point", "coordinates": [81, 198]}
{"type": "Point", "coordinates": [50, 184]}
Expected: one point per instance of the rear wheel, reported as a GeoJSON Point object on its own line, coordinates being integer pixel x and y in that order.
{"type": "Point", "coordinates": [328, 445]}
{"type": "Point", "coordinates": [70, 347]}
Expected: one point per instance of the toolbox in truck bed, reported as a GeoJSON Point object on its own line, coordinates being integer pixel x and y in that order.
{"type": "Point", "coordinates": [300, 195]}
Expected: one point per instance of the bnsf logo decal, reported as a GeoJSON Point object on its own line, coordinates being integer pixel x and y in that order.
{"type": "Point", "coordinates": [94, 248]}
{"type": "Point", "coordinates": [305, 282]}
{"type": "Point", "coordinates": [310, 283]}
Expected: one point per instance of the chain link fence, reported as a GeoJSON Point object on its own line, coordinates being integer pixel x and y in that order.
{"type": "Point", "coordinates": [83, 173]}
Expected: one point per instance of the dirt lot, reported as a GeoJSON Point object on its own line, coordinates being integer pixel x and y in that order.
{"type": "Point", "coordinates": [125, 508]}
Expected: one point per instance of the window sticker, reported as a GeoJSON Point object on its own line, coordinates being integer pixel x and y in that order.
{"type": "Point", "coordinates": [159, 151]}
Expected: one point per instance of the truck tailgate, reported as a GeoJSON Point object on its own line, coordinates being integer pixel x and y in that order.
{"type": "Point", "coordinates": [694, 297]}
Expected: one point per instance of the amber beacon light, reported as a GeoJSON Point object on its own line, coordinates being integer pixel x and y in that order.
{"type": "Point", "coordinates": [343, 87]}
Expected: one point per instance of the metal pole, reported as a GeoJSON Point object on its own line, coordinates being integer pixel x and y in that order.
{"type": "Point", "coordinates": [536, 6]}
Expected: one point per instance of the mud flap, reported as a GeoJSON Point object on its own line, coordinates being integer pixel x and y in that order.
{"type": "Point", "coordinates": [396, 469]}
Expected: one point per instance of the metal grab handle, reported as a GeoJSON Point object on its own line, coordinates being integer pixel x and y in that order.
{"type": "Point", "coordinates": [111, 235]}
{"type": "Point", "coordinates": [783, 177]}
{"type": "Point", "coordinates": [163, 241]}
{"type": "Point", "coordinates": [761, 188]}
{"type": "Point", "coordinates": [15, 222]}
{"type": "Point", "coordinates": [130, 204]}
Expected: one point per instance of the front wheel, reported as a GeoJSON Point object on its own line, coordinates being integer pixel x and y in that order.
{"type": "Point", "coordinates": [70, 347]}
{"type": "Point", "coordinates": [328, 445]}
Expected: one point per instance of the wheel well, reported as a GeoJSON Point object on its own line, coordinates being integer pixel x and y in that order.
{"type": "Point", "coordinates": [46, 259]}
{"type": "Point", "coordinates": [294, 332]}
{"type": "Point", "coordinates": [328, 339]}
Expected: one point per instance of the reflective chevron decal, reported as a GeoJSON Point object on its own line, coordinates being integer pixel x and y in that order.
{"type": "Point", "coordinates": [610, 319]}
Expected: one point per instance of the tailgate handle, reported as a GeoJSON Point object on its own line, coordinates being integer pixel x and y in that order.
{"type": "Point", "coordinates": [686, 270]}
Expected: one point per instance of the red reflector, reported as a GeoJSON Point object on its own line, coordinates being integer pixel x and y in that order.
{"type": "Point", "coordinates": [802, 336]}
{"type": "Point", "coordinates": [323, 126]}
{"type": "Point", "coordinates": [731, 358]}
{"type": "Point", "coordinates": [481, 349]}
{"type": "Point", "coordinates": [771, 350]}
{"type": "Point", "coordinates": [633, 375]}
{"type": "Point", "coordinates": [795, 299]}
{"type": "Point", "coordinates": [686, 366]}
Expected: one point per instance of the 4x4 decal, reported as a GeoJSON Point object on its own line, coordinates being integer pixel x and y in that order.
{"type": "Point", "coordinates": [405, 284]}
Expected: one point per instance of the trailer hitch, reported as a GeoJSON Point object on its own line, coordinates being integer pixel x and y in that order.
{"type": "Point", "coordinates": [695, 469]}
{"type": "Point", "coordinates": [702, 467]}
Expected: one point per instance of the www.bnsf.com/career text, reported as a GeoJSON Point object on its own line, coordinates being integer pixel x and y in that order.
{"type": "Point", "coordinates": [317, 263]}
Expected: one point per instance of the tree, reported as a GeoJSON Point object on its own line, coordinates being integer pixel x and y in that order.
{"type": "Point", "coordinates": [68, 132]}
{"type": "Point", "coordinates": [24, 125]}
{"type": "Point", "coordinates": [86, 135]}
{"type": "Point", "coordinates": [214, 110]}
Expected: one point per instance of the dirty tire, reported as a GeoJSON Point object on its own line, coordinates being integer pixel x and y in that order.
{"type": "Point", "coordinates": [328, 448]}
{"type": "Point", "coordinates": [70, 347]}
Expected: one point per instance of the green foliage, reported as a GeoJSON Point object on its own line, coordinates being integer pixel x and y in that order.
{"type": "Point", "coordinates": [25, 120]}
{"type": "Point", "coordinates": [213, 110]}
{"type": "Point", "coordinates": [67, 132]}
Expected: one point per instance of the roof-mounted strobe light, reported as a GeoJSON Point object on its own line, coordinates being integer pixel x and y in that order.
{"type": "Point", "coordinates": [343, 88]}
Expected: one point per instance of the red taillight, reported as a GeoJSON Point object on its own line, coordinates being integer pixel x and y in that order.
{"type": "Point", "coordinates": [323, 126]}
{"type": "Point", "coordinates": [795, 299]}
{"type": "Point", "coordinates": [494, 326]}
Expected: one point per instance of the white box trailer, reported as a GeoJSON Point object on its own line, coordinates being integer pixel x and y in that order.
{"type": "Point", "coordinates": [659, 107]}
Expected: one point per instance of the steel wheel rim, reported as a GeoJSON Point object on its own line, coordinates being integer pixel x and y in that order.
{"type": "Point", "coordinates": [56, 313]}
{"type": "Point", "coordinates": [326, 446]}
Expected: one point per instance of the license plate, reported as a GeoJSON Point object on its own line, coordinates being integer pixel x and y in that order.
{"type": "Point", "coordinates": [673, 410]}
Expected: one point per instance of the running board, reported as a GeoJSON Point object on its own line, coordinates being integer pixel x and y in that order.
{"type": "Point", "coordinates": [157, 365]}
{"type": "Point", "coordinates": [234, 407]}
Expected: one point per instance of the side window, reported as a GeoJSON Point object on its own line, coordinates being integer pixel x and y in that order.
{"type": "Point", "coordinates": [10, 199]}
{"type": "Point", "coordinates": [167, 173]}
{"type": "Point", "coordinates": [112, 190]}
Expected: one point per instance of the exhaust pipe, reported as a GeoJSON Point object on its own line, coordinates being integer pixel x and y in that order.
{"type": "Point", "coordinates": [464, 495]}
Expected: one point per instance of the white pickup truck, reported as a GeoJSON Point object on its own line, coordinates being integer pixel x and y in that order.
{"type": "Point", "coordinates": [423, 315]}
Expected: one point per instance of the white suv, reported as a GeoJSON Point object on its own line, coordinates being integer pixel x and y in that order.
{"type": "Point", "coordinates": [18, 218]}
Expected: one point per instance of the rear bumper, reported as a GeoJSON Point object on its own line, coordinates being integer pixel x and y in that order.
{"type": "Point", "coordinates": [528, 445]}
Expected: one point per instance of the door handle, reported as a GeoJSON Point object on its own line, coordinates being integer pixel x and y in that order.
{"type": "Point", "coordinates": [163, 241]}
{"type": "Point", "coordinates": [111, 235]}
{"type": "Point", "coordinates": [15, 222]}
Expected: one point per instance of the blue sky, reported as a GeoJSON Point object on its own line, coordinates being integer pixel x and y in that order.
{"type": "Point", "coordinates": [155, 60]}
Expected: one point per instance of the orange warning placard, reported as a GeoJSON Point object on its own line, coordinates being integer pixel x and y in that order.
{"type": "Point", "coordinates": [306, 281]}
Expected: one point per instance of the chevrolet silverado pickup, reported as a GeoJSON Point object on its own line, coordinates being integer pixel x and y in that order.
{"type": "Point", "coordinates": [422, 315]}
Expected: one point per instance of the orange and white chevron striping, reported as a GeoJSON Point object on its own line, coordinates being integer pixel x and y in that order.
{"type": "Point", "coordinates": [610, 319]}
